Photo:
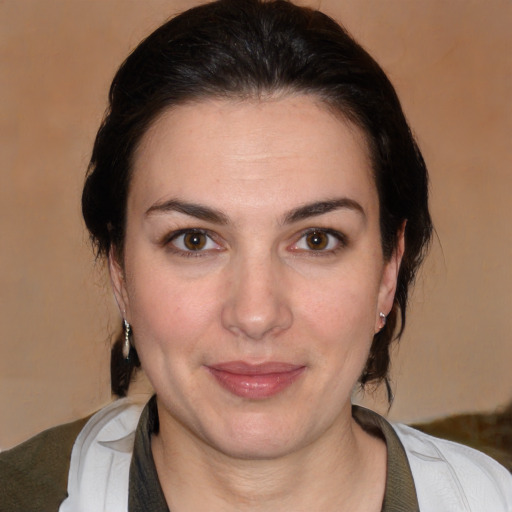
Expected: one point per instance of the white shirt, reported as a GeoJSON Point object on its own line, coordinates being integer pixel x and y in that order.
{"type": "Point", "coordinates": [449, 477]}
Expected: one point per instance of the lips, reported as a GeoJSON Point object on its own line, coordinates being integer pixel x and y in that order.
{"type": "Point", "coordinates": [258, 381]}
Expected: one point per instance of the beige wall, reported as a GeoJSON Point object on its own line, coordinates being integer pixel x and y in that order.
{"type": "Point", "coordinates": [450, 61]}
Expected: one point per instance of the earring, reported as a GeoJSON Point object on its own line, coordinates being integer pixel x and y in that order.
{"type": "Point", "coordinates": [126, 344]}
{"type": "Point", "coordinates": [383, 319]}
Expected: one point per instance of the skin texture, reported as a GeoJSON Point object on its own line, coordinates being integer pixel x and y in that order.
{"type": "Point", "coordinates": [258, 291]}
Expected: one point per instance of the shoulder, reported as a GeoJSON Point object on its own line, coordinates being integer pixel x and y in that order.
{"type": "Point", "coordinates": [106, 442]}
{"type": "Point", "coordinates": [33, 475]}
{"type": "Point", "coordinates": [451, 476]}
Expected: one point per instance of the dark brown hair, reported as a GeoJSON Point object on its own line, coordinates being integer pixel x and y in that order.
{"type": "Point", "coordinates": [247, 49]}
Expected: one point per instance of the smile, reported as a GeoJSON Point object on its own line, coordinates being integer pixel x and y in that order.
{"type": "Point", "coordinates": [255, 382]}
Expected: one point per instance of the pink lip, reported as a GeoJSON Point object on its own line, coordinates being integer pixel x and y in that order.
{"type": "Point", "coordinates": [255, 381]}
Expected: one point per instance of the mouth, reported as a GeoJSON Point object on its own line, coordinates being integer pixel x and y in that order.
{"type": "Point", "coordinates": [255, 381]}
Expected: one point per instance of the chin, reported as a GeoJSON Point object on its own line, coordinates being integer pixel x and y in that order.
{"type": "Point", "coordinates": [255, 449]}
{"type": "Point", "coordinates": [256, 439]}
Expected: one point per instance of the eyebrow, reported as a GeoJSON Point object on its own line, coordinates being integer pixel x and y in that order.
{"type": "Point", "coordinates": [321, 207]}
{"type": "Point", "coordinates": [193, 210]}
{"type": "Point", "coordinates": [218, 217]}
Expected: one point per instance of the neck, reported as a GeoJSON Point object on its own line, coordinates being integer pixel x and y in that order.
{"type": "Point", "coordinates": [342, 470]}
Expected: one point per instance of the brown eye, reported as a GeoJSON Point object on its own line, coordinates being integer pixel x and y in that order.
{"type": "Point", "coordinates": [194, 241]}
{"type": "Point", "coordinates": [317, 240]}
{"type": "Point", "coordinates": [320, 241]}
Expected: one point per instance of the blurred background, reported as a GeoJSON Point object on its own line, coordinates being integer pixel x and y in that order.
{"type": "Point", "coordinates": [450, 61]}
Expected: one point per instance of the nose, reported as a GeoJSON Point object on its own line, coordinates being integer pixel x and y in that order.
{"type": "Point", "coordinates": [257, 306]}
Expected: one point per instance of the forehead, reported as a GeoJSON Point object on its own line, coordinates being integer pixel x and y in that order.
{"type": "Point", "coordinates": [224, 150]}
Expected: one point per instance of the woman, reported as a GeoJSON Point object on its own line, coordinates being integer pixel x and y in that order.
{"type": "Point", "coordinates": [263, 209]}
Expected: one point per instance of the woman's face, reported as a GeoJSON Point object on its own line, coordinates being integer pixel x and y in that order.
{"type": "Point", "coordinates": [253, 271]}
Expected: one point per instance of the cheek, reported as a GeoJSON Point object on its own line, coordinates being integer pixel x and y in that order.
{"type": "Point", "coordinates": [341, 310]}
{"type": "Point", "coordinates": [169, 312]}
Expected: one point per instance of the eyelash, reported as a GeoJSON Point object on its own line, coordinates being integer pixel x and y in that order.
{"type": "Point", "coordinates": [172, 237]}
{"type": "Point", "coordinates": [340, 239]}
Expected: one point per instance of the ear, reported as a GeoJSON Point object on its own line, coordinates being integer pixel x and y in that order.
{"type": "Point", "coordinates": [389, 280]}
{"type": "Point", "coordinates": [118, 281]}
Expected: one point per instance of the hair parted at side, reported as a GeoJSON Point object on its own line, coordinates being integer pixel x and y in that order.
{"type": "Point", "coordinates": [252, 49]}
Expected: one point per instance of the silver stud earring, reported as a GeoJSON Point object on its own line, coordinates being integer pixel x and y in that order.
{"type": "Point", "coordinates": [126, 344]}
{"type": "Point", "coordinates": [383, 319]}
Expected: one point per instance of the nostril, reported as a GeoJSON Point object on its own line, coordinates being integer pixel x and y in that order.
{"type": "Point", "coordinates": [257, 303]}
{"type": "Point", "coordinates": [257, 320]}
